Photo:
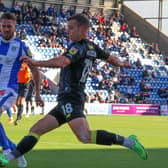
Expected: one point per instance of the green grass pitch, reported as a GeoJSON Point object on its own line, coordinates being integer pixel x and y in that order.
{"type": "Point", "coordinates": [60, 148]}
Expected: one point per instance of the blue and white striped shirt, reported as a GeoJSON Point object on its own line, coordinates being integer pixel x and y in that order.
{"type": "Point", "coordinates": [10, 53]}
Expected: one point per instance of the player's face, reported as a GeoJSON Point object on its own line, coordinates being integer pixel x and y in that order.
{"type": "Point", "coordinates": [74, 30]}
{"type": "Point", "coordinates": [8, 28]}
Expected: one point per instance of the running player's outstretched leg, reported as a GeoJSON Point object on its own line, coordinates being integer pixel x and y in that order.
{"type": "Point", "coordinates": [102, 137]}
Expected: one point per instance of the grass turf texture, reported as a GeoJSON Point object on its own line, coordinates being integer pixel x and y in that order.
{"type": "Point", "coordinates": [60, 147]}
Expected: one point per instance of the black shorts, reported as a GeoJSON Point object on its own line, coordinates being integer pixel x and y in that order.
{"type": "Point", "coordinates": [29, 98]}
{"type": "Point", "coordinates": [67, 111]}
{"type": "Point", "coordinates": [23, 89]}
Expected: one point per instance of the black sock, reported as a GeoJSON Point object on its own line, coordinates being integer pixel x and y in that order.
{"type": "Point", "coordinates": [102, 137]}
{"type": "Point", "coordinates": [25, 145]}
{"type": "Point", "coordinates": [20, 111]}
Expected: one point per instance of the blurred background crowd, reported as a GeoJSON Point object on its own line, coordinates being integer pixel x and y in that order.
{"type": "Point", "coordinates": [146, 82]}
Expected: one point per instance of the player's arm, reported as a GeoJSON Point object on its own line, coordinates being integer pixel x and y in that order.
{"type": "Point", "coordinates": [112, 59]}
{"type": "Point", "coordinates": [56, 62]}
{"type": "Point", "coordinates": [35, 73]}
{"type": "Point", "coordinates": [117, 62]}
{"type": "Point", "coordinates": [36, 78]}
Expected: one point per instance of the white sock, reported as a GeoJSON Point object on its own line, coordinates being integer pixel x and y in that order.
{"type": "Point", "coordinates": [128, 142]}
{"type": "Point", "coordinates": [6, 151]}
{"type": "Point", "coordinates": [10, 156]}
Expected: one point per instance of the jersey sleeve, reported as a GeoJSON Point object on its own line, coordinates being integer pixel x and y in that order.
{"type": "Point", "coordinates": [101, 54]}
{"type": "Point", "coordinates": [26, 50]}
{"type": "Point", "coordinates": [74, 53]}
{"type": "Point", "coordinates": [77, 52]}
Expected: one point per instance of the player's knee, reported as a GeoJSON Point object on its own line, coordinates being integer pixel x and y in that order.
{"type": "Point", "coordinates": [84, 139]}
{"type": "Point", "coordinates": [36, 130]}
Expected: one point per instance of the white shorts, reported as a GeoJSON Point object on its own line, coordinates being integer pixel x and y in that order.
{"type": "Point", "coordinates": [7, 98]}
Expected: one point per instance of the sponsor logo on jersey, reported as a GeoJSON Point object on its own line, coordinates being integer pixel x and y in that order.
{"type": "Point", "coordinates": [91, 53]}
{"type": "Point", "coordinates": [90, 46]}
{"type": "Point", "coordinates": [73, 51]}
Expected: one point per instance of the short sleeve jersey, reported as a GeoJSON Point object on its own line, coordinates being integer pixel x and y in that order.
{"type": "Point", "coordinates": [73, 77]}
{"type": "Point", "coordinates": [10, 53]}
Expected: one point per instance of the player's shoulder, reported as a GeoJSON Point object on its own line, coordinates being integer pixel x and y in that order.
{"type": "Point", "coordinates": [80, 45]}
{"type": "Point", "coordinates": [90, 44]}
{"type": "Point", "coordinates": [16, 39]}
{"type": "Point", "coordinates": [75, 45]}
{"type": "Point", "coordinates": [21, 43]}
{"type": "Point", "coordinates": [74, 48]}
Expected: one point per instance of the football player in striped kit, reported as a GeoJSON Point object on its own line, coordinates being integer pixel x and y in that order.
{"type": "Point", "coordinates": [11, 49]}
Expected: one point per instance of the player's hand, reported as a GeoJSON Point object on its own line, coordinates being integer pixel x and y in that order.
{"type": "Point", "coordinates": [39, 101]}
{"type": "Point", "coordinates": [28, 60]}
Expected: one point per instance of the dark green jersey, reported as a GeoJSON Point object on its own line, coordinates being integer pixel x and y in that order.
{"type": "Point", "coordinates": [73, 77]}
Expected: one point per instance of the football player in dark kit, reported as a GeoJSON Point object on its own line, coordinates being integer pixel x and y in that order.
{"type": "Point", "coordinates": [75, 66]}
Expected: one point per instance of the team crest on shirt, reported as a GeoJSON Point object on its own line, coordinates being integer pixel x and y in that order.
{"type": "Point", "coordinates": [73, 51]}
